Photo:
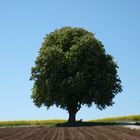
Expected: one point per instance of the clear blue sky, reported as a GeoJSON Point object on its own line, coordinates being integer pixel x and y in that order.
{"type": "Point", "coordinates": [23, 25]}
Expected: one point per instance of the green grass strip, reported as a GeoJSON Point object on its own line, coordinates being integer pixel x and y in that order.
{"type": "Point", "coordinates": [31, 122]}
{"type": "Point", "coordinates": [122, 118]}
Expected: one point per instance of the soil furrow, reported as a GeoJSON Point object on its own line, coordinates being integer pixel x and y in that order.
{"type": "Point", "coordinates": [109, 134]}
{"type": "Point", "coordinates": [74, 134]}
{"type": "Point", "coordinates": [37, 136]}
{"type": "Point", "coordinates": [100, 136]}
{"type": "Point", "coordinates": [16, 136]}
{"type": "Point", "coordinates": [87, 134]}
{"type": "Point", "coordinates": [60, 134]}
{"type": "Point", "coordinates": [45, 134]}
{"type": "Point", "coordinates": [127, 131]}
{"type": "Point", "coordinates": [80, 133]}
{"type": "Point", "coordinates": [30, 134]}
{"type": "Point", "coordinates": [54, 134]}
{"type": "Point", "coordinates": [114, 133]}
{"type": "Point", "coordinates": [69, 133]}
{"type": "Point", "coordinates": [5, 132]}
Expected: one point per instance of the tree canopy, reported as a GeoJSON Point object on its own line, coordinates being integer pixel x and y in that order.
{"type": "Point", "coordinates": [73, 69]}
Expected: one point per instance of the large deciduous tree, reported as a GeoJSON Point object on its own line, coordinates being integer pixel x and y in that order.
{"type": "Point", "coordinates": [73, 69]}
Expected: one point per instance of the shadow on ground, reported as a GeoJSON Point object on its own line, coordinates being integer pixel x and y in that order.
{"type": "Point", "coordinates": [76, 124]}
{"type": "Point", "coordinates": [80, 124]}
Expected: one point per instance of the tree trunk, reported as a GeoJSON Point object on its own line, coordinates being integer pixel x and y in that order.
{"type": "Point", "coordinates": [72, 116]}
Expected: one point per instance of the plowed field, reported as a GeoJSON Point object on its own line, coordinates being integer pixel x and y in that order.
{"type": "Point", "coordinates": [69, 133]}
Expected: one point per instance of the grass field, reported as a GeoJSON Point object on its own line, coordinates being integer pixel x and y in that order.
{"type": "Point", "coordinates": [122, 118]}
{"type": "Point", "coordinates": [31, 122]}
{"type": "Point", "coordinates": [135, 118]}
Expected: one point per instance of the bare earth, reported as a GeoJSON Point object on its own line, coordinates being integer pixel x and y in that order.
{"type": "Point", "coordinates": [69, 133]}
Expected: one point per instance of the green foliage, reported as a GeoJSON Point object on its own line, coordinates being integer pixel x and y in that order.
{"type": "Point", "coordinates": [122, 118]}
{"type": "Point", "coordinates": [73, 69]}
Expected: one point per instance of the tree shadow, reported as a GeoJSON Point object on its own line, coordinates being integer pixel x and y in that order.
{"type": "Point", "coordinates": [81, 124]}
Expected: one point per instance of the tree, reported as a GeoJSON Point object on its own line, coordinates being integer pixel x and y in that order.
{"type": "Point", "coordinates": [73, 69]}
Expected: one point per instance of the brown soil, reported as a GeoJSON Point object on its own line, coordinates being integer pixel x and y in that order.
{"type": "Point", "coordinates": [69, 133]}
